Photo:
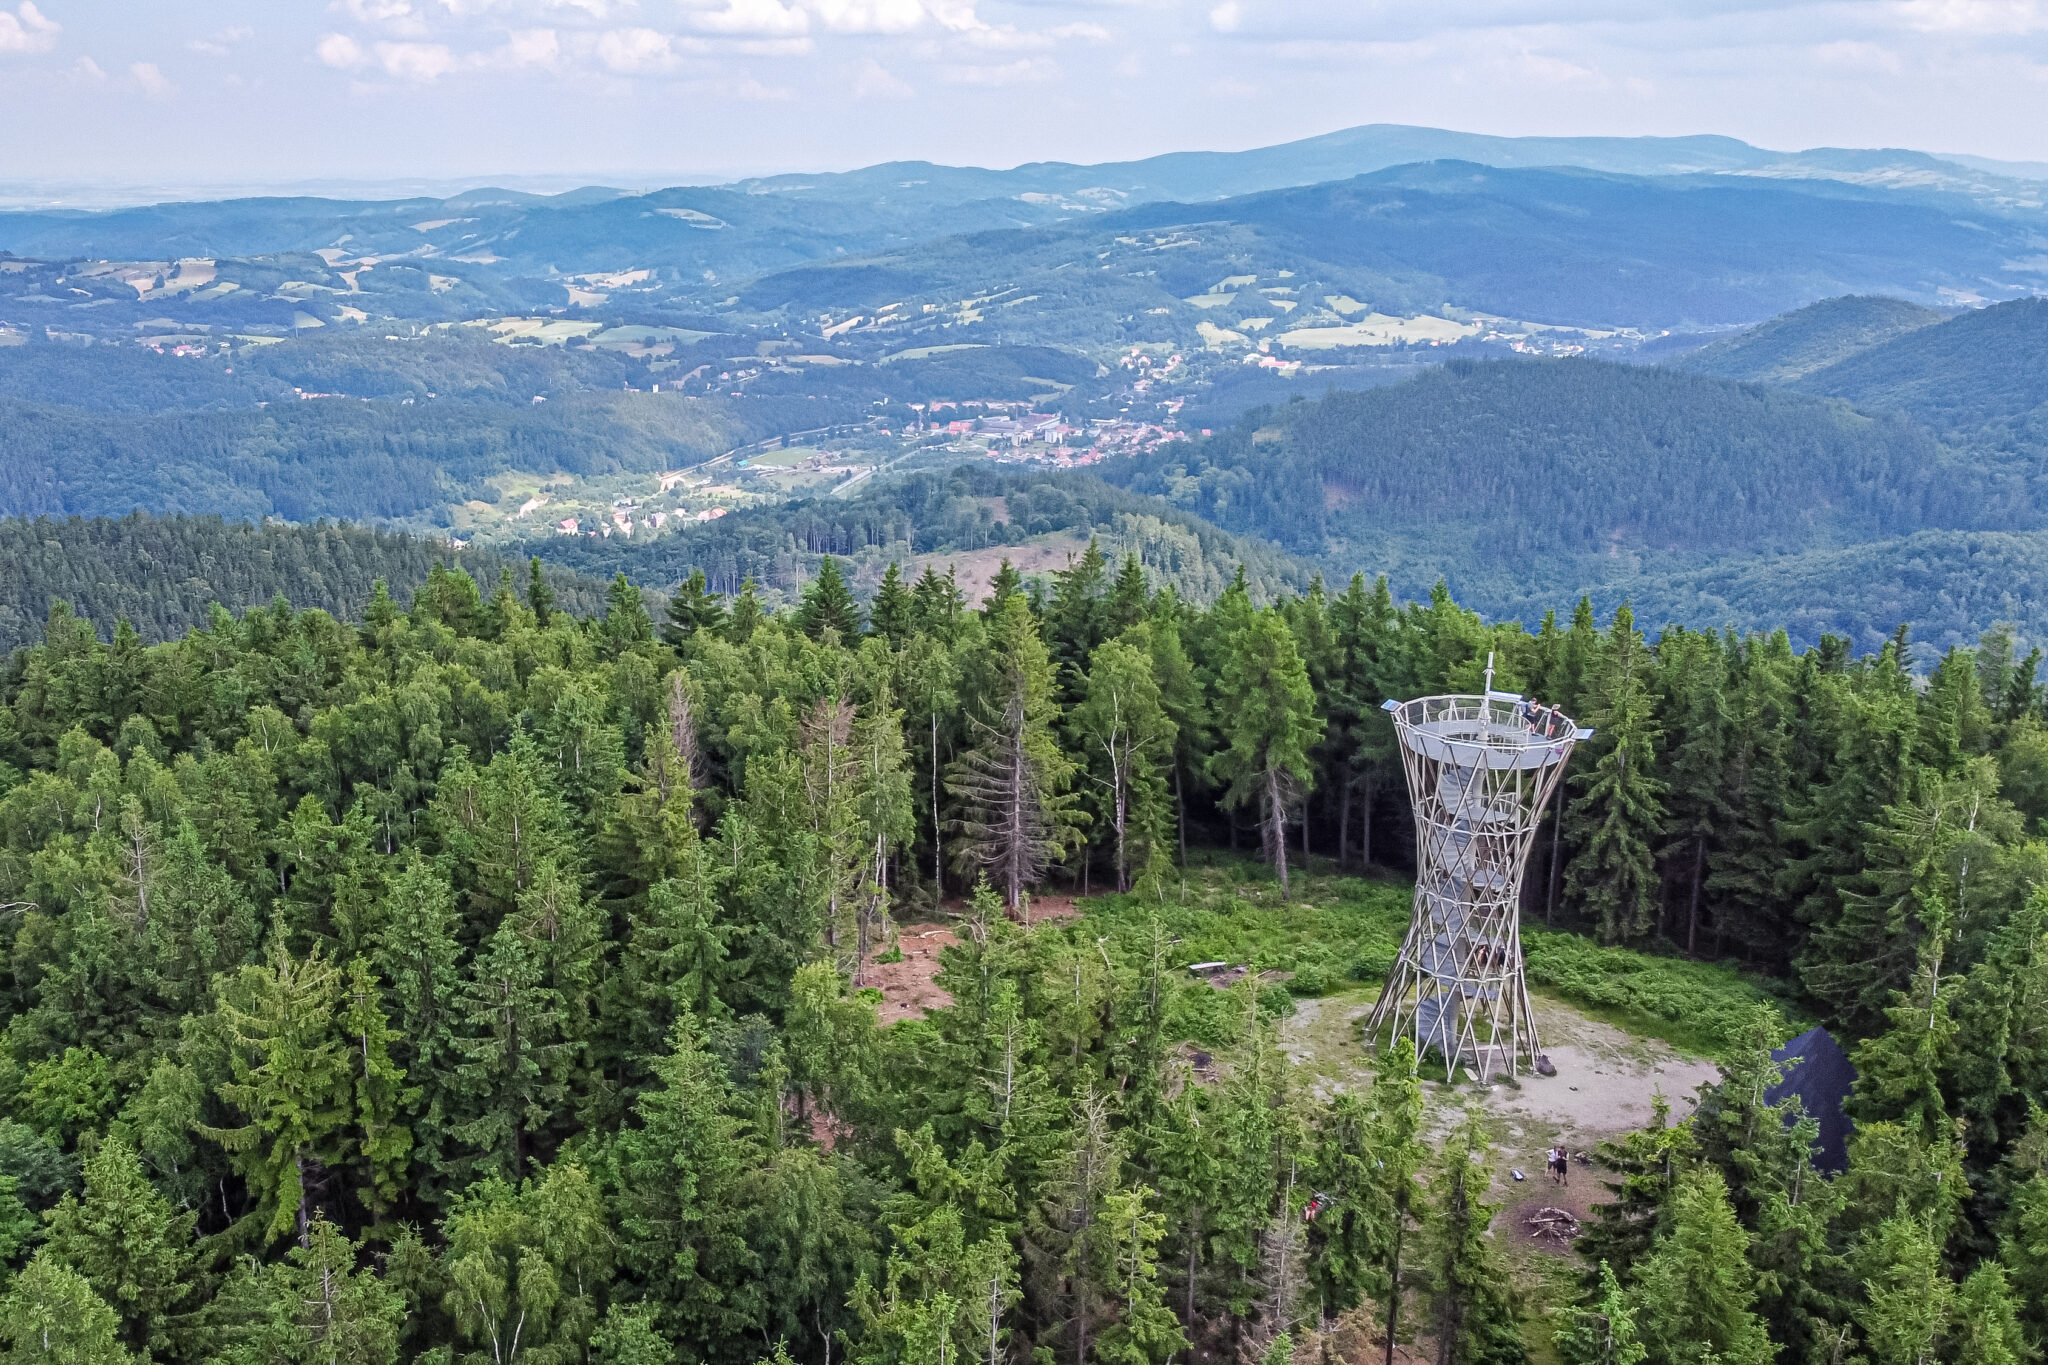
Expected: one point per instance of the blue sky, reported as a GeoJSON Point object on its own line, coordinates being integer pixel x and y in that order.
{"type": "Point", "coordinates": [232, 92]}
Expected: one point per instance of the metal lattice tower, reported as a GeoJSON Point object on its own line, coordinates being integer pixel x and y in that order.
{"type": "Point", "coordinates": [1480, 771]}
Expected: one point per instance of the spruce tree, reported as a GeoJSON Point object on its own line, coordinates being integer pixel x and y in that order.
{"type": "Point", "coordinates": [1472, 1308]}
{"type": "Point", "coordinates": [1267, 714]}
{"type": "Point", "coordinates": [417, 957]}
{"type": "Point", "coordinates": [1145, 1331]}
{"type": "Point", "coordinates": [2023, 1252]}
{"type": "Point", "coordinates": [1929, 867]}
{"type": "Point", "coordinates": [1695, 1292]}
{"type": "Point", "coordinates": [1604, 1331]}
{"type": "Point", "coordinates": [747, 614]}
{"type": "Point", "coordinates": [625, 622]}
{"type": "Point", "coordinates": [539, 596]}
{"type": "Point", "coordinates": [693, 608]}
{"type": "Point", "coordinates": [1128, 732]}
{"type": "Point", "coordinates": [937, 604]}
{"type": "Point", "coordinates": [383, 1141]}
{"type": "Point", "coordinates": [1699, 733]}
{"type": "Point", "coordinates": [827, 604]}
{"type": "Point", "coordinates": [676, 1204]}
{"type": "Point", "coordinates": [1396, 1108]}
{"type": "Point", "coordinates": [1907, 1297]}
{"type": "Point", "coordinates": [931, 687]}
{"type": "Point", "coordinates": [513, 1062]}
{"type": "Point", "coordinates": [315, 1307]}
{"type": "Point", "coordinates": [289, 1081]}
{"type": "Point", "coordinates": [134, 1249]}
{"type": "Point", "coordinates": [1129, 598]}
{"type": "Point", "coordinates": [893, 612]}
{"type": "Point", "coordinates": [1016, 819]}
{"type": "Point", "coordinates": [1860, 737]}
{"type": "Point", "coordinates": [1077, 618]}
{"type": "Point", "coordinates": [1619, 815]}
{"type": "Point", "coordinates": [1747, 861]}
{"type": "Point", "coordinates": [1006, 584]}
{"type": "Point", "coordinates": [1986, 1327]}
{"type": "Point", "coordinates": [50, 1316]}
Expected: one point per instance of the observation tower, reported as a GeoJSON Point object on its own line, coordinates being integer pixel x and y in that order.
{"type": "Point", "coordinates": [1480, 771]}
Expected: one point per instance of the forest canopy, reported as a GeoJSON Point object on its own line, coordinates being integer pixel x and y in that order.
{"type": "Point", "coordinates": [486, 981]}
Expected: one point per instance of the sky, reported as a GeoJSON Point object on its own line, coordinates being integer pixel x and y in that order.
{"type": "Point", "coordinates": [245, 93]}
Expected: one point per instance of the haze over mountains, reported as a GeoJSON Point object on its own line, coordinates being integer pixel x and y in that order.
{"type": "Point", "coordinates": [1670, 231]}
{"type": "Point", "coordinates": [495, 345]}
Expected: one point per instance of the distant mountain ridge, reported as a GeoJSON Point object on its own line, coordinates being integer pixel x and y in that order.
{"type": "Point", "coordinates": [921, 199]}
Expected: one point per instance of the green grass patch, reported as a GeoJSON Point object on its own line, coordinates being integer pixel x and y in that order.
{"type": "Point", "coordinates": [779, 459]}
{"type": "Point", "coordinates": [1693, 1005]}
{"type": "Point", "coordinates": [1333, 931]}
{"type": "Point", "coordinates": [1336, 931]}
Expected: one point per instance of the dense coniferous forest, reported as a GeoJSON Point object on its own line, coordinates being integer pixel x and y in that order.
{"type": "Point", "coordinates": [969, 508]}
{"type": "Point", "coordinates": [164, 576]}
{"type": "Point", "coordinates": [1793, 345]}
{"type": "Point", "coordinates": [1551, 461]}
{"type": "Point", "coordinates": [487, 983]}
{"type": "Point", "coordinates": [335, 457]}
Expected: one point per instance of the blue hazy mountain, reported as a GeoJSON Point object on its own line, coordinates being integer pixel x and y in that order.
{"type": "Point", "coordinates": [1567, 247]}
{"type": "Point", "coordinates": [745, 226]}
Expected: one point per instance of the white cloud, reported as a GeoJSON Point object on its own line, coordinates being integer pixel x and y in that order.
{"type": "Point", "coordinates": [1977, 17]}
{"type": "Point", "coordinates": [869, 16]}
{"type": "Point", "coordinates": [955, 16]}
{"type": "Point", "coordinates": [1226, 17]}
{"type": "Point", "coordinates": [339, 51]}
{"type": "Point", "coordinates": [878, 82]}
{"type": "Point", "coordinates": [1023, 71]}
{"type": "Point", "coordinates": [753, 18]}
{"type": "Point", "coordinates": [153, 81]}
{"type": "Point", "coordinates": [416, 61]}
{"type": "Point", "coordinates": [378, 11]}
{"type": "Point", "coordinates": [751, 89]}
{"type": "Point", "coordinates": [529, 47]}
{"type": "Point", "coordinates": [221, 43]}
{"type": "Point", "coordinates": [86, 69]}
{"type": "Point", "coordinates": [26, 30]}
{"type": "Point", "coordinates": [634, 51]}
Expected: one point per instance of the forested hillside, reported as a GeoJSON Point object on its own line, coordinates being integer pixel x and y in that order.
{"type": "Point", "coordinates": [972, 508]}
{"type": "Point", "coordinates": [1546, 475]}
{"type": "Point", "coordinates": [362, 461]}
{"type": "Point", "coordinates": [485, 982]}
{"type": "Point", "coordinates": [1795, 344]}
{"type": "Point", "coordinates": [1948, 586]}
{"type": "Point", "coordinates": [164, 577]}
{"type": "Point", "coordinates": [1981, 375]}
{"type": "Point", "coordinates": [455, 364]}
